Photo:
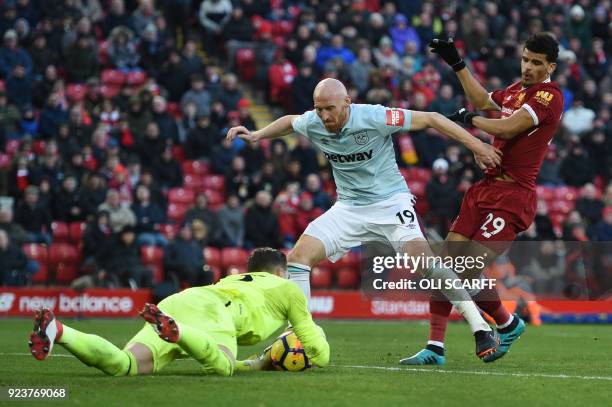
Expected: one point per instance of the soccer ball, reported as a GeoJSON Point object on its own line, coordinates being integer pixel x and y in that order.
{"type": "Point", "coordinates": [287, 353]}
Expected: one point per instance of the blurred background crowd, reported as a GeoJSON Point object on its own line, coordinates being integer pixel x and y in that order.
{"type": "Point", "coordinates": [114, 170]}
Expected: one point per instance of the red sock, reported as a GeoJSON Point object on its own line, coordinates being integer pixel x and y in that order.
{"type": "Point", "coordinates": [439, 309]}
{"type": "Point", "coordinates": [60, 330]}
{"type": "Point", "coordinates": [488, 301]}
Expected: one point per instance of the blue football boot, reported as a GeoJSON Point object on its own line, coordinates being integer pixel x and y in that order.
{"type": "Point", "coordinates": [506, 340]}
{"type": "Point", "coordinates": [424, 357]}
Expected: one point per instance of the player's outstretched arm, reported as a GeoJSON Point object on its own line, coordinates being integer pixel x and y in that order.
{"type": "Point", "coordinates": [505, 128]}
{"type": "Point", "coordinates": [278, 128]}
{"type": "Point", "coordinates": [475, 92]}
{"type": "Point", "coordinates": [486, 155]}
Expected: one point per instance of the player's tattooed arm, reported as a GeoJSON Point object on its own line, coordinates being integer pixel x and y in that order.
{"type": "Point", "coordinates": [486, 155]}
{"type": "Point", "coordinates": [520, 121]}
{"type": "Point", "coordinates": [278, 128]}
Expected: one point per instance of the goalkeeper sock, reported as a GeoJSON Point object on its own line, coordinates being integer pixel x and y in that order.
{"type": "Point", "coordinates": [203, 348]}
{"type": "Point", "coordinates": [460, 299]}
{"type": "Point", "coordinates": [300, 274]}
{"type": "Point", "coordinates": [96, 351]}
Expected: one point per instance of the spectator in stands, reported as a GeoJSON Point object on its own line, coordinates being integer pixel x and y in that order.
{"type": "Point", "coordinates": [168, 171]}
{"type": "Point", "coordinates": [42, 56]}
{"type": "Point", "coordinates": [202, 139]}
{"type": "Point", "coordinates": [9, 117]}
{"type": "Point", "coordinates": [122, 52]}
{"type": "Point", "coordinates": [238, 33]}
{"type": "Point", "coordinates": [192, 61]}
{"type": "Point", "coordinates": [602, 232]}
{"type": "Point", "coordinates": [231, 220]}
{"type": "Point", "coordinates": [359, 71]}
{"type": "Point", "coordinates": [138, 117]}
{"type": "Point", "coordinates": [578, 119]}
{"type": "Point", "coordinates": [151, 146]}
{"type": "Point", "coordinates": [402, 33]}
{"type": "Point", "coordinates": [229, 94]}
{"type": "Point", "coordinates": [15, 232]}
{"type": "Point", "coordinates": [153, 50]}
{"type": "Point", "coordinates": [116, 17]}
{"type": "Point", "coordinates": [120, 215]}
{"type": "Point", "coordinates": [122, 262]}
{"type": "Point", "coordinates": [576, 169]}
{"type": "Point", "coordinates": [441, 192]}
{"type": "Point", "coordinates": [214, 15]}
{"type": "Point", "coordinates": [599, 150]}
{"type": "Point", "coordinates": [588, 205]}
{"type": "Point", "coordinates": [149, 218]}
{"type": "Point", "coordinates": [547, 268]}
{"type": "Point", "coordinates": [303, 88]}
{"type": "Point", "coordinates": [445, 102]}
{"type": "Point", "coordinates": [320, 198]}
{"type": "Point", "coordinates": [335, 49]}
{"type": "Point", "coordinates": [266, 179]}
{"type": "Point", "coordinates": [93, 193]}
{"type": "Point", "coordinates": [13, 263]}
{"type": "Point", "coordinates": [143, 16]}
{"type": "Point", "coordinates": [185, 258]}
{"type": "Point", "coordinates": [51, 117]}
{"type": "Point", "coordinates": [237, 180]}
{"type": "Point", "coordinates": [543, 224]}
{"type": "Point", "coordinates": [198, 95]}
{"type": "Point", "coordinates": [67, 205]}
{"type": "Point", "coordinates": [306, 212]}
{"type": "Point", "coordinates": [262, 228]}
{"type": "Point", "coordinates": [12, 55]}
{"type": "Point", "coordinates": [19, 87]}
{"type": "Point", "coordinates": [222, 156]}
{"type": "Point", "coordinates": [96, 238]}
{"type": "Point", "coordinates": [549, 172]}
{"type": "Point", "coordinates": [174, 76]}
{"type": "Point", "coordinates": [167, 125]}
{"type": "Point", "coordinates": [201, 211]}
{"type": "Point", "coordinates": [82, 59]}
{"type": "Point", "coordinates": [385, 56]}
{"type": "Point", "coordinates": [34, 217]}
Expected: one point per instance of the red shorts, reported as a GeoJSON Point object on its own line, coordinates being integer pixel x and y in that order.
{"type": "Point", "coordinates": [495, 211]}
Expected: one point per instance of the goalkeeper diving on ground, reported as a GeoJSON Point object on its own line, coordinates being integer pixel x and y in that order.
{"type": "Point", "coordinates": [204, 323]}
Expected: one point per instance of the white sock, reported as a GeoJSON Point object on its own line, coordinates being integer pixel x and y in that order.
{"type": "Point", "coordinates": [300, 274]}
{"type": "Point", "coordinates": [460, 299]}
{"type": "Point", "coordinates": [436, 343]}
{"type": "Point", "coordinates": [507, 323]}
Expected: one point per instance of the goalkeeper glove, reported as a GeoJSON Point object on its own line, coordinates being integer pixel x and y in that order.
{"type": "Point", "coordinates": [448, 52]}
{"type": "Point", "coordinates": [463, 116]}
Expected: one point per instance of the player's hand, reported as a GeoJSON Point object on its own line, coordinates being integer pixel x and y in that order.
{"type": "Point", "coordinates": [447, 50]}
{"type": "Point", "coordinates": [462, 116]}
{"type": "Point", "coordinates": [242, 133]}
{"type": "Point", "coordinates": [487, 156]}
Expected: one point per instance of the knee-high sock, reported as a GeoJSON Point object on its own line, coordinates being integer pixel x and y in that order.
{"type": "Point", "coordinates": [93, 350]}
{"type": "Point", "coordinates": [488, 301]}
{"type": "Point", "coordinates": [459, 298]}
{"type": "Point", "coordinates": [439, 310]}
{"type": "Point", "coordinates": [203, 348]}
{"type": "Point", "coordinates": [300, 274]}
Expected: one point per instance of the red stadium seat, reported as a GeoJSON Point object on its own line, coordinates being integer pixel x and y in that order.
{"type": "Point", "coordinates": [169, 230]}
{"type": "Point", "coordinates": [216, 182]}
{"type": "Point", "coordinates": [560, 206]}
{"type": "Point", "coordinates": [347, 278]}
{"type": "Point", "coordinates": [38, 146]}
{"type": "Point", "coordinates": [196, 167]}
{"type": "Point", "coordinates": [39, 253]}
{"type": "Point", "coordinates": [42, 275]}
{"type": "Point", "coordinates": [176, 212]}
{"type": "Point", "coordinates": [216, 199]}
{"type": "Point", "coordinates": [181, 196]}
{"type": "Point", "coordinates": [113, 77]}
{"type": "Point", "coordinates": [193, 182]}
{"type": "Point", "coordinates": [66, 272]}
{"type": "Point", "coordinates": [245, 61]}
{"type": "Point", "coordinates": [5, 161]}
{"type": "Point", "coordinates": [76, 92]}
{"type": "Point", "coordinates": [212, 255]}
{"type": "Point", "coordinates": [233, 270]}
{"type": "Point", "coordinates": [158, 272]}
{"type": "Point", "coordinates": [109, 91]}
{"type": "Point", "coordinates": [174, 110]}
{"type": "Point", "coordinates": [417, 188]}
{"type": "Point", "coordinates": [545, 193]}
{"type": "Point", "coordinates": [178, 153]}
{"type": "Point", "coordinates": [76, 230]}
{"type": "Point", "coordinates": [320, 277]}
{"type": "Point", "coordinates": [152, 255]}
{"type": "Point", "coordinates": [232, 256]}
{"type": "Point", "coordinates": [60, 231]}
{"type": "Point", "coordinates": [350, 260]}
{"type": "Point", "coordinates": [418, 174]}
{"type": "Point", "coordinates": [136, 78]}
{"type": "Point", "coordinates": [11, 147]}
{"type": "Point", "coordinates": [566, 193]}
{"type": "Point", "coordinates": [216, 273]}
{"type": "Point", "coordinates": [63, 253]}
{"type": "Point", "coordinates": [103, 52]}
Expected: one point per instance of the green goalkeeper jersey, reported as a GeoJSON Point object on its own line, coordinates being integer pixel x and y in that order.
{"type": "Point", "coordinates": [262, 303]}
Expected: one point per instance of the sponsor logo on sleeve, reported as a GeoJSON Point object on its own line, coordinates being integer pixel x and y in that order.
{"type": "Point", "coordinates": [543, 97]}
{"type": "Point", "coordinates": [395, 117]}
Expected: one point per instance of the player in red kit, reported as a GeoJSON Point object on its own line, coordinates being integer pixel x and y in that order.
{"type": "Point", "coordinates": [503, 204]}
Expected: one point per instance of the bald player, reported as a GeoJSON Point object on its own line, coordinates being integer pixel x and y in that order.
{"type": "Point", "coordinates": [374, 202]}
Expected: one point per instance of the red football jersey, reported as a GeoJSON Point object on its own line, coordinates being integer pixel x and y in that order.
{"type": "Point", "coordinates": [524, 153]}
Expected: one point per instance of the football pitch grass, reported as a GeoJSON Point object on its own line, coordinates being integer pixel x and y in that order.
{"type": "Point", "coordinates": [550, 365]}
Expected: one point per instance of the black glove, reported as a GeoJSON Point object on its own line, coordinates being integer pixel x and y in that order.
{"type": "Point", "coordinates": [463, 116]}
{"type": "Point", "coordinates": [448, 52]}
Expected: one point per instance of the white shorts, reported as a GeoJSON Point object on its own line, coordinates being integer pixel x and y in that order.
{"type": "Point", "coordinates": [343, 226]}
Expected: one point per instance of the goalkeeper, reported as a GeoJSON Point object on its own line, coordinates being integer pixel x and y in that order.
{"type": "Point", "coordinates": [205, 323]}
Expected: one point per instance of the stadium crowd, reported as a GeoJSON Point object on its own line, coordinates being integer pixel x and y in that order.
{"type": "Point", "coordinates": [113, 113]}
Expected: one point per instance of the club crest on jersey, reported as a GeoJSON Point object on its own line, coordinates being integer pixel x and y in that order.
{"type": "Point", "coordinates": [361, 138]}
{"type": "Point", "coordinates": [543, 97]}
{"type": "Point", "coordinates": [395, 117]}
{"type": "Point", "coordinates": [519, 100]}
